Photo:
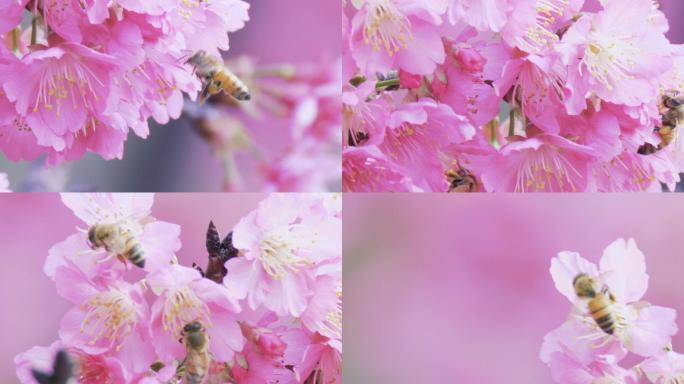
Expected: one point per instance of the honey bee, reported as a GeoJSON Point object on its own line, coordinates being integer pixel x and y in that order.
{"type": "Point", "coordinates": [117, 240]}
{"type": "Point", "coordinates": [197, 360]}
{"type": "Point", "coordinates": [672, 116]}
{"type": "Point", "coordinates": [217, 78]}
{"type": "Point", "coordinates": [461, 180]}
{"type": "Point", "coordinates": [600, 302]}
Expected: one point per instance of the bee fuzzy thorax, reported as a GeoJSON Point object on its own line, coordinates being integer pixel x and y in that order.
{"type": "Point", "coordinates": [119, 240]}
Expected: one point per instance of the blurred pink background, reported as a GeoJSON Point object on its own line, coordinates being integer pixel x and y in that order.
{"type": "Point", "coordinates": [30, 309]}
{"type": "Point", "coordinates": [456, 288]}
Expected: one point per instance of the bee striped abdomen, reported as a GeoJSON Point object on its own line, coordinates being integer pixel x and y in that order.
{"type": "Point", "coordinates": [234, 86]}
{"type": "Point", "coordinates": [135, 253]}
{"type": "Point", "coordinates": [600, 310]}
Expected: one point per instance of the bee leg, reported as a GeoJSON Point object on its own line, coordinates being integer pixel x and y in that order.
{"type": "Point", "coordinates": [204, 95]}
{"type": "Point", "coordinates": [199, 269]}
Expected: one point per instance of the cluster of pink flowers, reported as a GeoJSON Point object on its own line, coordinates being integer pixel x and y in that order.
{"type": "Point", "coordinates": [580, 352]}
{"type": "Point", "coordinates": [84, 73]}
{"type": "Point", "coordinates": [300, 104]}
{"type": "Point", "coordinates": [509, 95]}
{"type": "Point", "coordinates": [273, 317]}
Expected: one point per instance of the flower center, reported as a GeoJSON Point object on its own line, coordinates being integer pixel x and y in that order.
{"type": "Point", "coordinates": [91, 369]}
{"type": "Point", "coordinates": [539, 34]}
{"type": "Point", "coordinates": [386, 27]}
{"type": "Point", "coordinates": [182, 306]}
{"type": "Point", "coordinates": [109, 315]}
{"type": "Point", "coordinates": [280, 253]}
{"type": "Point", "coordinates": [63, 82]}
{"type": "Point", "coordinates": [546, 169]}
{"type": "Point", "coordinates": [333, 321]}
{"type": "Point", "coordinates": [611, 59]}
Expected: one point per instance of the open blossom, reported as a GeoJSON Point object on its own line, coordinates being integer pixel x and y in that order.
{"type": "Point", "coordinates": [541, 163]}
{"type": "Point", "coordinates": [185, 296]}
{"type": "Point", "coordinates": [580, 351]}
{"type": "Point", "coordinates": [315, 356]}
{"type": "Point", "coordinates": [559, 98]}
{"type": "Point", "coordinates": [643, 328]}
{"type": "Point", "coordinates": [90, 72]}
{"type": "Point", "coordinates": [282, 244]}
{"type": "Point", "coordinates": [665, 367]}
{"type": "Point", "coordinates": [386, 33]}
{"type": "Point", "coordinates": [103, 317]}
{"type": "Point", "coordinates": [615, 54]}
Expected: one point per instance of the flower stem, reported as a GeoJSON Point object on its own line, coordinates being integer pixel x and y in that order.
{"type": "Point", "coordinates": [232, 180]}
{"type": "Point", "coordinates": [492, 131]}
{"type": "Point", "coordinates": [34, 29]}
{"type": "Point", "coordinates": [386, 83]}
{"type": "Point", "coordinates": [286, 71]}
{"type": "Point", "coordinates": [511, 122]}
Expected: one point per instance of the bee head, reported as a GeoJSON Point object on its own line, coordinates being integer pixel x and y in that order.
{"type": "Point", "coordinates": [197, 57]}
{"type": "Point", "coordinates": [672, 101]}
{"type": "Point", "coordinates": [584, 286]}
{"type": "Point", "coordinates": [194, 326]}
{"type": "Point", "coordinates": [91, 235]}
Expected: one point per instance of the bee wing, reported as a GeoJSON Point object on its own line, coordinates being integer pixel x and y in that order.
{"type": "Point", "coordinates": [41, 377]}
{"type": "Point", "coordinates": [63, 369]}
{"type": "Point", "coordinates": [213, 240]}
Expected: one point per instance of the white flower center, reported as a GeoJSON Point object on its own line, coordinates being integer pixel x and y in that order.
{"type": "Point", "coordinates": [110, 315]}
{"type": "Point", "coordinates": [610, 58]}
{"type": "Point", "coordinates": [182, 306]}
{"type": "Point", "coordinates": [539, 35]}
{"type": "Point", "coordinates": [386, 27]}
{"type": "Point", "coordinates": [677, 379]}
{"type": "Point", "coordinates": [280, 251]}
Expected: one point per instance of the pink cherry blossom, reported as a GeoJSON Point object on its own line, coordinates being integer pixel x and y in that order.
{"type": "Point", "coordinates": [314, 356]}
{"type": "Point", "coordinates": [665, 367]}
{"type": "Point", "coordinates": [276, 318]}
{"type": "Point", "coordinates": [615, 54]}
{"type": "Point", "coordinates": [642, 328]}
{"type": "Point", "coordinates": [559, 98]}
{"type": "Point", "coordinates": [185, 296]}
{"type": "Point", "coordinates": [84, 74]}
{"type": "Point", "coordinates": [397, 32]}
{"type": "Point", "coordinates": [90, 369]}
{"type": "Point", "coordinates": [103, 317]}
{"type": "Point", "coordinates": [282, 246]}
{"type": "Point", "coordinates": [365, 171]}
{"type": "Point", "coordinates": [541, 163]}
